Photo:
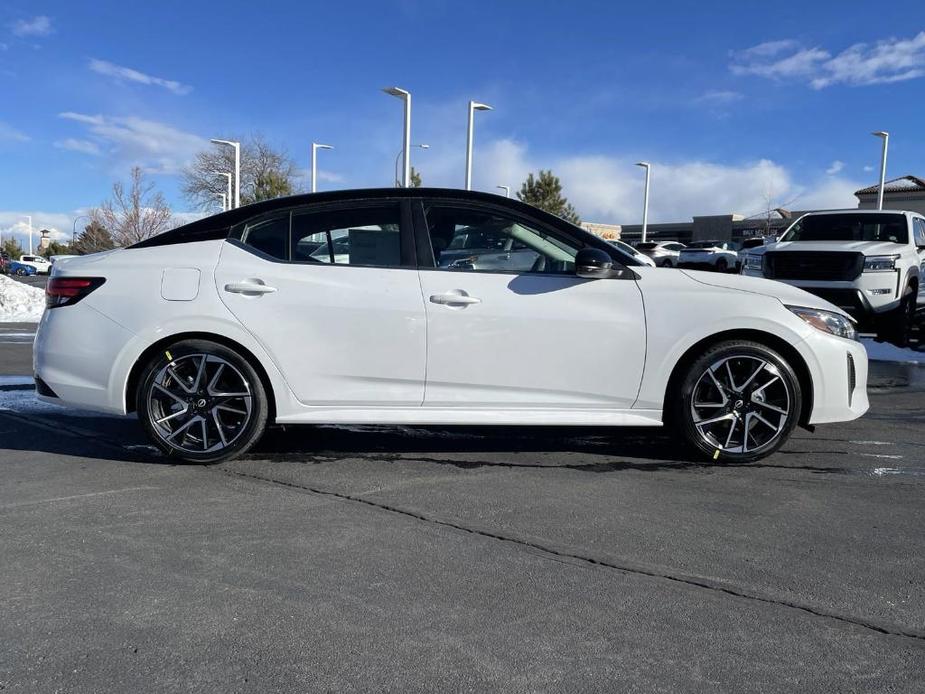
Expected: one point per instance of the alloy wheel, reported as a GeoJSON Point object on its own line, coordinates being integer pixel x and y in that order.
{"type": "Point", "coordinates": [741, 404]}
{"type": "Point", "coordinates": [199, 403]}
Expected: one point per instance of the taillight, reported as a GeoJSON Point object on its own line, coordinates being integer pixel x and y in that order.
{"type": "Point", "coordinates": [64, 291]}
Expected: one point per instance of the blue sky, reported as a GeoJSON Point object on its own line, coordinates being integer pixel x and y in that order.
{"type": "Point", "coordinates": [732, 102]}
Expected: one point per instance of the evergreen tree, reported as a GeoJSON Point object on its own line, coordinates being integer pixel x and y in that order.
{"type": "Point", "coordinates": [57, 248]}
{"type": "Point", "coordinates": [545, 192]}
{"type": "Point", "coordinates": [12, 248]}
{"type": "Point", "coordinates": [93, 239]}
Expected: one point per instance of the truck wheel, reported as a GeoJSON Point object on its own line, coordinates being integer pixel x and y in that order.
{"type": "Point", "coordinates": [900, 322]}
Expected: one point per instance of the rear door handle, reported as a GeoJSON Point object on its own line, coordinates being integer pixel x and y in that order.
{"type": "Point", "coordinates": [249, 287]}
{"type": "Point", "coordinates": [454, 299]}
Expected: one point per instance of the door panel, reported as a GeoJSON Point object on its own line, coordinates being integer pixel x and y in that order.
{"type": "Point", "coordinates": [532, 340]}
{"type": "Point", "coordinates": [340, 334]}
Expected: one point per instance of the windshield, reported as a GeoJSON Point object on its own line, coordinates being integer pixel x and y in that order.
{"type": "Point", "coordinates": [849, 227]}
{"type": "Point", "coordinates": [752, 243]}
{"type": "Point", "coordinates": [703, 244]}
{"type": "Point", "coordinates": [647, 246]}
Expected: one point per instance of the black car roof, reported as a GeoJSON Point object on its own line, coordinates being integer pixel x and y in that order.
{"type": "Point", "coordinates": [217, 226]}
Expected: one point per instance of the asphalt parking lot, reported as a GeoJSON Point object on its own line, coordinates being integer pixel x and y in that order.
{"type": "Point", "coordinates": [476, 559]}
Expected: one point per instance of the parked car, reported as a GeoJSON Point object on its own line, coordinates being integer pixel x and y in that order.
{"type": "Point", "coordinates": [216, 329]}
{"type": "Point", "coordinates": [41, 265]}
{"type": "Point", "coordinates": [744, 247]}
{"type": "Point", "coordinates": [868, 262]}
{"type": "Point", "coordinates": [662, 253]}
{"type": "Point", "coordinates": [4, 261]}
{"type": "Point", "coordinates": [629, 250]}
{"type": "Point", "coordinates": [14, 267]}
{"type": "Point", "coordinates": [709, 255]}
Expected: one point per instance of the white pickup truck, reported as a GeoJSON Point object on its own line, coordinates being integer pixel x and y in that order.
{"type": "Point", "coordinates": [871, 263]}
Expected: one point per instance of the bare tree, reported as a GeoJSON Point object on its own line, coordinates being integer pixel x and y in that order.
{"type": "Point", "coordinates": [266, 173]}
{"type": "Point", "coordinates": [135, 214]}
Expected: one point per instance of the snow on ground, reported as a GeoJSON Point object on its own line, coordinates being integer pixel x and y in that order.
{"type": "Point", "coordinates": [883, 351]}
{"type": "Point", "coordinates": [19, 302]}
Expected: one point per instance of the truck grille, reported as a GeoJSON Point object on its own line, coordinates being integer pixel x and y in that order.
{"type": "Point", "coordinates": [813, 265]}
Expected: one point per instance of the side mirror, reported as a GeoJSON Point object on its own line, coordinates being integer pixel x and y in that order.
{"type": "Point", "coordinates": [593, 263]}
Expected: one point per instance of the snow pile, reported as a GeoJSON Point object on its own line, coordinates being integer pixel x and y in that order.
{"type": "Point", "coordinates": [20, 303]}
{"type": "Point", "coordinates": [884, 351]}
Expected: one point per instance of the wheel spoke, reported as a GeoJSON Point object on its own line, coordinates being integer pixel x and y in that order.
{"type": "Point", "coordinates": [178, 380]}
{"type": "Point", "coordinates": [719, 386]}
{"type": "Point", "coordinates": [769, 406]}
{"type": "Point", "coordinates": [218, 372]}
{"type": "Point", "coordinates": [732, 382]}
{"type": "Point", "coordinates": [227, 408]}
{"type": "Point", "coordinates": [205, 434]}
{"type": "Point", "coordinates": [184, 411]}
{"type": "Point", "coordinates": [168, 393]}
{"type": "Point", "coordinates": [713, 420]}
{"type": "Point", "coordinates": [218, 426]}
{"type": "Point", "coordinates": [745, 433]}
{"type": "Point", "coordinates": [764, 421]}
{"type": "Point", "coordinates": [199, 373]}
{"type": "Point", "coordinates": [757, 371]}
{"type": "Point", "coordinates": [177, 432]}
{"type": "Point", "coordinates": [732, 428]}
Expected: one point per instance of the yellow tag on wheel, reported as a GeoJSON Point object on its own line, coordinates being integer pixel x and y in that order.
{"type": "Point", "coordinates": [716, 455]}
{"type": "Point", "coordinates": [170, 357]}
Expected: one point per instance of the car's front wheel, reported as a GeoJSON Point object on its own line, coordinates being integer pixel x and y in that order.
{"type": "Point", "coordinates": [738, 402]}
{"type": "Point", "coordinates": [201, 402]}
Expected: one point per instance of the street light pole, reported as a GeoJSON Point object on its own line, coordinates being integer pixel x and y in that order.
{"type": "Point", "coordinates": [397, 181]}
{"type": "Point", "coordinates": [227, 175]}
{"type": "Point", "coordinates": [473, 107]}
{"type": "Point", "coordinates": [29, 217]}
{"type": "Point", "coordinates": [405, 96]}
{"type": "Point", "coordinates": [506, 189]}
{"type": "Point", "coordinates": [315, 147]}
{"type": "Point", "coordinates": [885, 136]}
{"type": "Point", "coordinates": [224, 199]}
{"type": "Point", "coordinates": [645, 204]}
{"type": "Point", "coordinates": [74, 227]}
{"type": "Point", "coordinates": [237, 168]}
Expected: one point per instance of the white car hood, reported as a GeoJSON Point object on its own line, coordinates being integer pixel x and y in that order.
{"type": "Point", "coordinates": [865, 247]}
{"type": "Point", "coordinates": [785, 293]}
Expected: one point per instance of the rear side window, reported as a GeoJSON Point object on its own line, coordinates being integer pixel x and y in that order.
{"type": "Point", "coordinates": [918, 229]}
{"type": "Point", "coordinates": [362, 236]}
{"type": "Point", "coordinates": [269, 235]}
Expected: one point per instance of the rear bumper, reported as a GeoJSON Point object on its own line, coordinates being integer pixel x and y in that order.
{"type": "Point", "coordinates": [73, 356]}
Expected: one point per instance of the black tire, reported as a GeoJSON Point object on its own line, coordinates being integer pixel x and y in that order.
{"type": "Point", "coordinates": [20, 272]}
{"type": "Point", "coordinates": [668, 263]}
{"type": "Point", "coordinates": [722, 265]}
{"type": "Point", "coordinates": [743, 358]}
{"type": "Point", "coordinates": [243, 418]}
{"type": "Point", "coordinates": [900, 322]}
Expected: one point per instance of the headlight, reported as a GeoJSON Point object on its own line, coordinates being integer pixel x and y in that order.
{"type": "Point", "coordinates": [880, 263]}
{"type": "Point", "coordinates": [753, 262]}
{"type": "Point", "coordinates": [827, 322]}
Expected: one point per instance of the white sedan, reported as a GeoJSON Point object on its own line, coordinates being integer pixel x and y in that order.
{"type": "Point", "coordinates": [214, 330]}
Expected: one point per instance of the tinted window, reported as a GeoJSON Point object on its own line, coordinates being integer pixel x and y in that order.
{"type": "Point", "coordinates": [464, 239]}
{"type": "Point", "coordinates": [706, 244]}
{"type": "Point", "coordinates": [752, 243]}
{"type": "Point", "coordinates": [647, 246]}
{"type": "Point", "coordinates": [849, 227]}
{"type": "Point", "coordinates": [269, 235]}
{"type": "Point", "coordinates": [361, 236]}
{"type": "Point", "coordinates": [919, 231]}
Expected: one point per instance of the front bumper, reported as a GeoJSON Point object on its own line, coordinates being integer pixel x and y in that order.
{"type": "Point", "coordinates": [838, 368]}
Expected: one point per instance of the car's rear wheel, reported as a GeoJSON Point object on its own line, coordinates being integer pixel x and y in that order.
{"type": "Point", "coordinates": [722, 265]}
{"type": "Point", "coordinates": [738, 402]}
{"type": "Point", "coordinates": [201, 402]}
{"type": "Point", "coordinates": [668, 263]}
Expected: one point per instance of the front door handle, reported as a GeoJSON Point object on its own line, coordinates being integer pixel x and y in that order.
{"type": "Point", "coordinates": [249, 287]}
{"type": "Point", "coordinates": [455, 298]}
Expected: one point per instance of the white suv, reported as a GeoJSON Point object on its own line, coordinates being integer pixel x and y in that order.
{"type": "Point", "coordinates": [41, 265]}
{"type": "Point", "coordinates": [867, 262]}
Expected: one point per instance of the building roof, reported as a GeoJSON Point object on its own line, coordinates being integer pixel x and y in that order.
{"type": "Point", "coordinates": [903, 184]}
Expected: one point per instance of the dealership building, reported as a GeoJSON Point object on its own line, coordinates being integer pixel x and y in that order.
{"type": "Point", "coordinates": [904, 193]}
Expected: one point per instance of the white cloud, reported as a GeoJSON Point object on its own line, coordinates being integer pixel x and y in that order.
{"type": "Point", "coordinates": [37, 26]}
{"type": "Point", "coordinates": [610, 189]}
{"type": "Point", "coordinates": [868, 168]}
{"type": "Point", "coordinates": [82, 146]}
{"type": "Point", "coordinates": [156, 147]}
{"type": "Point", "coordinates": [835, 168]}
{"type": "Point", "coordinates": [11, 134]}
{"type": "Point", "coordinates": [126, 74]}
{"type": "Point", "coordinates": [887, 61]}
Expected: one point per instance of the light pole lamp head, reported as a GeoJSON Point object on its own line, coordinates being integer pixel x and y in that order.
{"type": "Point", "coordinates": [476, 106]}
{"type": "Point", "coordinates": [881, 133]}
{"type": "Point", "coordinates": [318, 145]}
{"type": "Point", "coordinates": [225, 142]}
{"type": "Point", "coordinates": [423, 146]}
{"type": "Point", "coordinates": [643, 164]}
{"type": "Point", "coordinates": [397, 91]}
